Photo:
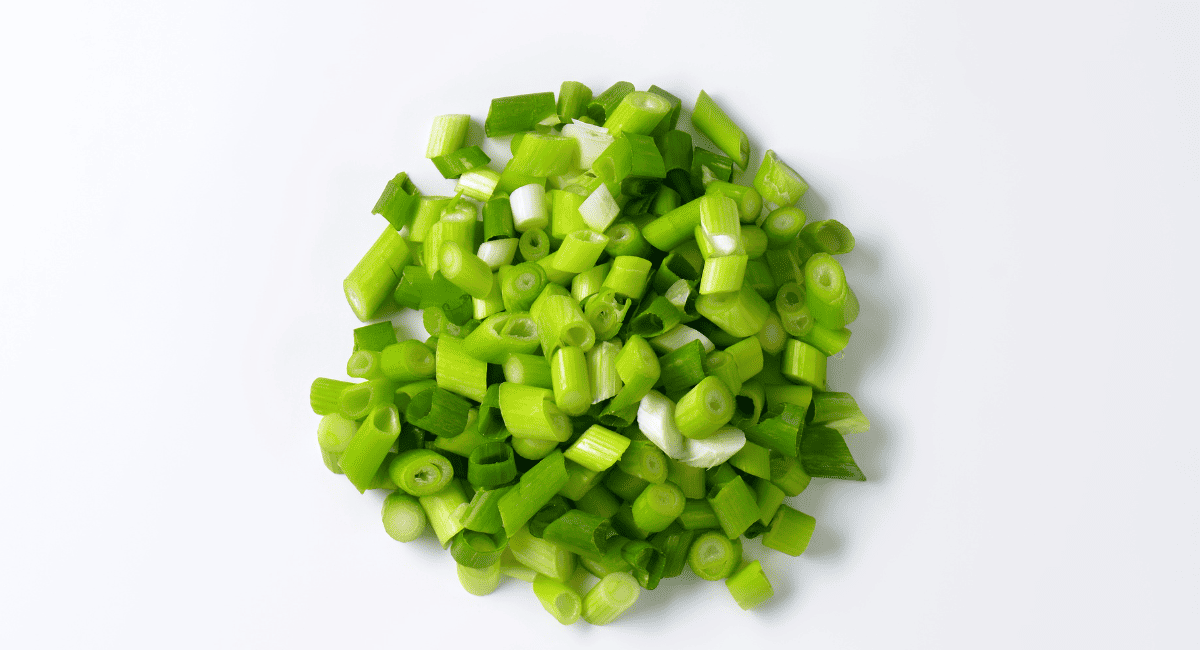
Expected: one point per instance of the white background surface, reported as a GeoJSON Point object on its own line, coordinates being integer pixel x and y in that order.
{"type": "Point", "coordinates": [184, 185]}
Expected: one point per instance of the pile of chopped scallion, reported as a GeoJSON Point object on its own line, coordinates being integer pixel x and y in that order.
{"type": "Point", "coordinates": [625, 369]}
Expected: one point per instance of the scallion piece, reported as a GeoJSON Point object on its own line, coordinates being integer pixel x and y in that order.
{"type": "Point", "coordinates": [753, 459]}
{"type": "Point", "coordinates": [465, 270]}
{"type": "Point", "coordinates": [735, 506]}
{"type": "Point", "coordinates": [790, 531]}
{"type": "Point", "coordinates": [569, 379]}
{"type": "Point", "coordinates": [788, 475]}
{"type": "Point", "coordinates": [709, 119]}
{"type": "Point", "coordinates": [804, 364]}
{"type": "Point", "coordinates": [713, 450]}
{"type": "Point", "coordinates": [325, 395]}
{"type": "Point", "coordinates": [459, 161]}
{"type": "Point", "coordinates": [579, 251]}
{"type": "Point", "coordinates": [534, 245]}
{"type": "Point", "coordinates": [603, 378]}
{"type": "Point", "coordinates": [698, 515]}
{"type": "Point", "coordinates": [598, 448]}
{"type": "Point", "coordinates": [420, 472]}
{"type": "Point", "coordinates": [442, 509]}
{"type": "Point", "coordinates": [579, 532]}
{"type": "Point", "coordinates": [459, 372]}
{"type": "Point", "coordinates": [609, 598]}
{"type": "Point", "coordinates": [398, 201]}
{"type": "Point", "coordinates": [376, 275]}
{"type": "Point", "coordinates": [500, 335]}
{"type": "Point", "coordinates": [740, 313]}
{"type": "Point", "coordinates": [508, 115]}
{"type": "Point", "coordinates": [521, 284]}
{"type": "Point", "coordinates": [528, 370]}
{"type": "Point", "coordinates": [655, 318]}
{"type": "Point", "coordinates": [543, 556]}
{"type": "Point", "coordinates": [628, 276]}
{"type": "Point", "coordinates": [714, 556]}
{"type": "Point", "coordinates": [673, 228]}
{"type": "Point", "coordinates": [839, 412]}
{"type": "Point", "coordinates": [604, 103]}
{"type": "Point", "coordinates": [573, 100]}
{"type": "Point", "coordinates": [491, 465]}
{"type": "Point", "coordinates": [782, 226]}
{"type": "Point", "coordinates": [529, 412]}
{"type": "Point", "coordinates": [657, 506]}
{"type": "Point", "coordinates": [606, 312]}
{"type": "Point", "coordinates": [772, 337]}
{"type": "Point", "coordinates": [543, 155]}
{"type": "Point", "coordinates": [563, 602]}
{"type": "Point", "coordinates": [358, 400]}
{"type": "Point", "coordinates": [705, 408]}
{"type": "Point", "coordinates": [478, 183]}
{"type": "Point", "coordinates": [828, 236]}
{"type": "Point", "coordinates": [644, 460]}
{"type": "Point", "coordinates": [447, 134]}
{"type": "Point", "coordinates": [749, 586]}
{"type": "Point", "coordinates": [720, 364]}
{"type": "Point", "coordinates": [333, 436]}
{"type": "Point", "coordinates": [403, 518]}
{"type": "Point", "coordinates": [438, 411]}
{"type": "Point", "coordinates": [778, 183]}
{"type": "Point", "coordinates": [824, 453]}
{"type": "Point", "coordinates": [479, 581]}
{"type": "Point", "coordinates": [638, 112]}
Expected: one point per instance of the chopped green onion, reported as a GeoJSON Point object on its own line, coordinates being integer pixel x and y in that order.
{"type": "Point", "coordinates": [491, 465]}
{"type": "Point", "coordinates": [447, 134]}
{"type": "Point", "coordinates": [788, 475]}
{"type": "Point", "coordinates": [713, 450]}
{"type": "Point", "coordinates": [459, 372]}
{"type": "Point", "coordinates": [778, 183]}
{"type": "Point", "coordinates": [357, 400]}
{"type": "Point", "coordinates": [705, 408]}
{"type": "Point", "coordinates": [398, 201]}
{"type": "Point", "coordinates": [709, 119]}
{"type": "Point", "coordinates": [334, 433]}
{"type": "Point", "coordinates": [804, 364]}
{"type": "Point", "coordinates": [638, 112]}
{"type": "Point", "coordinates": [325, 395]}
{"type": "Point", "coordinates": [603, 378]}
{"type": "Point", "coordinates": [790, 531]}
{"type": "Point", "coordinates": [673, 228]}
{"type": "Point", "coordinates": [839, 412]}
{"type": "Point", "coordinates": [573, 100]}
{"type": "Point", "coordinates": [770, 497]}
{"type": "Point", "coordinates": [508, 115]}
{"type": "Point", "coordinates": [824, 453]}
{"type": "Point", "coordinates": [657, 506]}
{"type": "Point", "coordinates": [563, 602]}
{"type": "Point", "coordinates": [545, 557]}
{"type": "Point", "coordinates": [459, 161]}
{"type": "Point", "coordinates": [753, 459]}
{"type": "Point", "coordinates": [609, 598]}
{"type": "Point", "coordinates": [672, 117]}
{"type": "Point", "coordinates": [724, 275]}
{"type": "Point", "coordinates": [579, 251]}
{"type": "Point", "coordinates": [534, 489]}
{"type": "Point", "coordinates": [478, 183]}
{"type": "Point", "coordinates": [782, 226]}
{"type": "Point", "coordinates": [529, 413]}
{"type": "Point", "coordinates": [376, 275]}
{"type": "Point", "coordinates": [713, 556]}
{"type": "Point", "coordinates": [521, 284]}
{"type": "Point", "coordinates": [438, 411]}
{"type": "Point", "coordinates": [569, 378]}
{"type": "Point", "coordinates": [479, 581]}
{"type": "Point", "coordinates": [828, 341]}
{"type": "Point", "coordinates": [598, 448]}
{"type": "Point", "coordinates": [542, 155]}
{"type": "Point", "coordinates": [529, 370]}
{"type": "Point", "coordinates": [533, 448]}
{"type": "Point", "coordinates": [403, 518]}
{"type": "Point", "coordinates": [604, 103]}
{"type": "Point", "coordinates": [740, 313]}
{"type": "Point", "coordinates": [606, 312]}
{"type": "Point", "coordinates": [735, 506]}
{"type": "Point", "coordinates": [828, 236]}
{"type": "Point", "coordinates": [442, 508]}
{"type": "Point", "coordinates": [749, 586]}
{"type": "Point", "coordinates": [644, 460]}
{"type": "Point", "coordinates": [579, 532]}
{"type": "Point", "coordinates": [628, 276]}
{"type": "Point", "coordinates": [500, 335]}
{"type": "Point", "coordinates": [599, 209]}
{"type": "Point", "coordinates": [420, 472]}
{"type": "Point", "coordinates": [374, 337]}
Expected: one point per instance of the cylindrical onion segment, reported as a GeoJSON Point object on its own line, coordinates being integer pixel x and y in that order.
{"type": "Point", "coordinates": [529, 208]}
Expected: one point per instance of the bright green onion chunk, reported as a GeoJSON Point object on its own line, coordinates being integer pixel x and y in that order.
{"type": "Point", "coordinates": [376, 275]}
{"type": "Point", "coordinates": [673, 543]}
{"type": "Point", "coordinates": [534, 245]}
{"type": "Point", "coordinates": [646, 562]}
{"type": "Point", "coordinates": [369, 447]}
{"type": "Point", "coordinates": [829, 298]}
{"type": "Point", "coordinates": [779, 429]}
{"type": "Point", "coordinates": [491, 465]}
{"type": "Point", "coordinates": [597, 448]}
{"type": "Point", "coordinates": [782, 226]}
{"type": "Point", "coordinates": [770, 497]}
{"type": "Point", "coordinates": [709, 119]}
{"type": "Point", "coordinates": [823, 452]}
{"type": "Point", "coordinates": [788, 475]}
{"type": "Point", "coordinates": [479, 581]}
{"type": "Point", "coordinates": [599, 501]}
{"type": "Point", "coordinates": [438, 411]}
{"type": "Point", "coordinates": [478, 183]}
{"type": "Point", "coordinates": [657, 506]}
{"type": "Point", "coordinates": [839, 412]}
{"type": "Point", "coordinates": [739, 313]}
{"type": "Point", "coordinates": [543, 155]}
{"type": "Point", "coordinates": [580, 251]}
{"type": "Point", "coordinates": [403, 518]}
{"type": "Point", "coordinates": [407, 361]}
{"type": "Point", "coordinates": [580, 480]}
{"type": "Point", "coordinates": [459, 161]}
{"type": "Point", "coordinates": [508, 115]}
{"type": "Point", "coordinates": [334, 433]}
{"type": "Point", "coordinates": [374, 337]}
{"type": "Point", "coordinates": [790, 531]}
{"type": "Point", "coordinates": [828, 236]}
{"type": "Point", "coordinates": [579, 532]}
{"type": "Point", "coordinates": [603, 377]}
{"type": "Point", "coordinates": [735, 506]}
{"type": "Point", "coordinates": [573, 99]}
{"type": "Point", "coordinates": [398, 201]}
{"type": "Point", "coordinates": [655, 318]}
{"type": "Point", "coordinates": [459, 372]}
{"type": "Point", "coordinates": [604, 103]}
{"type": "Point", "coordinates": [609, 598]}
{"type": "Point", "coordinates": [482, 514]}
{"type": "Point", "coordinates": [529, 412]}
{"type": "Point", "coordinates": [714, 556]}
{"type": "Point", "coordinates": [628, 276]}
{"type": "Point", "coordinates": [528, 370]}
{"type": "Point", "coordinates": [465, 270]}
{"type": "Point", "coordinates": [828, 341]}
{"type": "Point", "coordinates": [705, 408]}
{"type": "Point", "coordinates": [534, 489]}
{"type": "Point", "coordinates": [639, 112]}
{"type": "Point", "coordinates": [325, 395]}
{"type": "Point", "coordinates": [521, 284]}
{"type": "Point", "coordinates": [606, 311]}
{"type": "Point", "coordinates": [673, 228]}
{"type": "Point", "coordinates": [644, 460]}
{"type": "Point", "coordinates": [420, 472]}
{"type": "Point", "coordinates": [478, 550]}
{"type": "Point", "coordinates": [498, 219]}
{"type": "Point", "coordinates": [748, 405]}
{"type": "Point", "coordinates": [447, 134]}
{"type": "Point", "coordinates": [804, 364]}
{"type": "Point", "coordinates": [720, 227]}
{"type": "Point", "coordinates": [544, 557]}
{"type": "Point", "coordinates": [560, 322]}
{"type": "Point", "coordinates": [753, 459]}
{"type": "Point", "coordinates": [749, 586]}
{"type": "Point", "coordinates": [747, 199]}
{"type": "Point", "coordinates": [723, 274]}
{"type": "Point", "coordinates": [501, 335]}
{"type": "Point", "coordinates": [442, 509]}
{"type": "Point", "coordinates": [563, 602]}
{"type": "Point", "coordinates": [569, 378]}
{"type": "Point", "coordinates": [778, 183]}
